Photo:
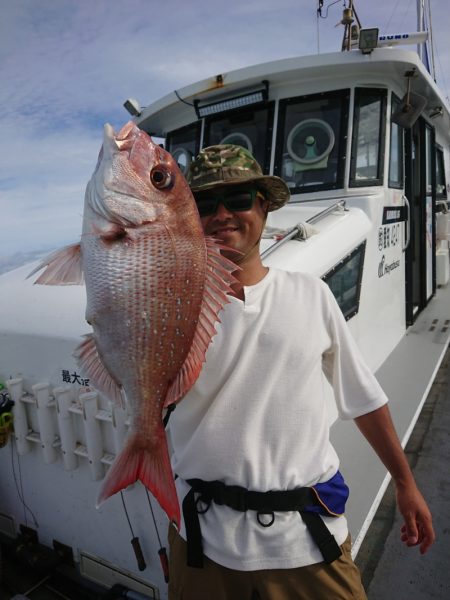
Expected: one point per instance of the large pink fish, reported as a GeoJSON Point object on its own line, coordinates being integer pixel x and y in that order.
{"type": "Point", "coordinates": [155, 286]}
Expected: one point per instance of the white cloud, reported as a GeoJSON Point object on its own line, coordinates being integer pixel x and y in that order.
{"type": "Point", "coordinates": [68, 65]}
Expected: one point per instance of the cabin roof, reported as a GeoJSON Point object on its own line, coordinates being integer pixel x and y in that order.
{"type": "Point", "coordinates": [335, 69]}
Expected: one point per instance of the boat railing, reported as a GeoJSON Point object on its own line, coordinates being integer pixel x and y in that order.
{"type": "Point", "coordinates": [293, 231]}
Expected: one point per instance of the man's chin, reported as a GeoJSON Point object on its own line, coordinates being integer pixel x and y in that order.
{"type": "Point", "coordinates": [228, 239]}
{"type": "Point", "coordinates": [231, 254]}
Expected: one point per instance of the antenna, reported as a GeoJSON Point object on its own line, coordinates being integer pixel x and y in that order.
{"type": "Point", "coordinates": [431, 42]}
{"type": "Point", "coordinates": [351, 30]}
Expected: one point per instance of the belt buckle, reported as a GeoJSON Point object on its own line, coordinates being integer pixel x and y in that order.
{"type": "Point", "coordinates": [261, 514]}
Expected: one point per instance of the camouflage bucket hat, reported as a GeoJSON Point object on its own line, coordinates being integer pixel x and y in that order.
{"type": "Point", "coordinates": [229, 164]}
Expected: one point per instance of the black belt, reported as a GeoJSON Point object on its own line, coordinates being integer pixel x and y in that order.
{"type": "Point", "coordinates": [264, 503]}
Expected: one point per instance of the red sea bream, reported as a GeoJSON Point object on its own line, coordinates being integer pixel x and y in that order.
{"type": "Point", "coordinates": [155, 286]}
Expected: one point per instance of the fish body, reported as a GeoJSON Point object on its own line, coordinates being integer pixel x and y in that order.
{"type": "Point", "coordinates": [155, 286]}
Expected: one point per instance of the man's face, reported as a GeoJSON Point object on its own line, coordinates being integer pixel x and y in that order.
{"type": "Point", "coordinates": [238, 229]}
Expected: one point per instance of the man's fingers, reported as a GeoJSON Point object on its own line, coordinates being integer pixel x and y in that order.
{"type": "Point", "coordinates": [428, 536]}
{"type": "Point", "coordinates": [418, 525]}
{"type": "Point", "coordinates": [424, 535]}
{"type": "Point", "coordinates": [410, 531]}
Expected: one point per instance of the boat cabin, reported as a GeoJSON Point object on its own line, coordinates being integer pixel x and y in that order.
{"type": "Point", "coordinates": [362, 139]}
{"type": "Point", "coordinates": [365, 133]}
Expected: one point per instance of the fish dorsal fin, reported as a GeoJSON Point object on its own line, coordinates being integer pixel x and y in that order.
{"type": "Point", "coordinates": [63, 267]}
{"type": "Point", "coordinates": [218, 283]}
{"type": "Point", "coordinates": [90, 362]}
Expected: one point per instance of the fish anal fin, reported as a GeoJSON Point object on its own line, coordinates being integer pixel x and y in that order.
{"type": "Point", "coordinates": [149, 464]}
{"type": "Point", "coordinates": [90, 362]}
{"type": "Point", "coordinates": [219, 279]}
{"type": "Point", "coordinates": [63, 267]}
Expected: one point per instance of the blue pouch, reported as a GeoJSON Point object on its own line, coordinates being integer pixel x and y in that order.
{"type": "Point", "coordinates": [332, 496]}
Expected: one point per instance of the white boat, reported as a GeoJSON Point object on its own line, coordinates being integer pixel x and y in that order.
{"type": "Point", "coordinates": [362, 138]}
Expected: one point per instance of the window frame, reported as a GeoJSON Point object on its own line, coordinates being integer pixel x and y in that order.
{"type": "Point", "coordinates": [379, 179]}
{"type": "Point", "coordinates": [269, 106]}
{"type": "Point", "coordinates": [395, 104]}
{"type": "Point", "coordinates": [440, 169]}
{"type": "Point", "coordinates": [344, 96]}
{"type": "Point", "coordinates": [354, 309]}
{"type": "Point", "coordinates": [195, 126]}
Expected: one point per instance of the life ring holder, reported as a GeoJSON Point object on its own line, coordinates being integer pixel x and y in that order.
{"type": "Point", "coordinates": [244, 140]}
{"type": "Point", "coordinates": [298, 128]}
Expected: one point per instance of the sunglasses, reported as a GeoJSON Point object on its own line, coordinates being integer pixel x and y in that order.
{"type": "Point", "coordinates": [233, 200]}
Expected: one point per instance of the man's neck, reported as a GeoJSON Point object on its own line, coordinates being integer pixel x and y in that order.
{"type": "Point", "coordinates": [252, 272]}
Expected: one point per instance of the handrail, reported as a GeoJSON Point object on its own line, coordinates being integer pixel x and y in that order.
{"type": "Point", "coordinates": [348, 195]}
{"type": "Point", "coordinates": [445, 204]}
{"type": "Point", "coordinates": [326, 211]}
{"type": "Point", "coordinates": [407, 224]}
{"type": "Point", "coordinates": [294, 230]}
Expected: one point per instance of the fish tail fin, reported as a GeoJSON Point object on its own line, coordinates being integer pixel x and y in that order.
{"type": "Point", "coordinates": [151, 466]}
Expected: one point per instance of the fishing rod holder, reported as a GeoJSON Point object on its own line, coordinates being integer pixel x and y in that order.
{"type": "Point", "coordinates": [67, 425]}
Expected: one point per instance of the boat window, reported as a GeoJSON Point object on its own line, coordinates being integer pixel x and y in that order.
{"type": "Point", "coordinates": [441, 188]}
{"type": "Point", "coordinates": [184, 144]}
{"type": "Point", "coordinates": [429, 159]}
{"type": "Point", "coordinates": [311, 140]}
{"type": "Point", "coordinates": [344, 280]}
{"type": "Point", "coordinates": [248, 127]}
{"type": "Point", "coordinates": [367, 162]}
{"type": "Point", "coordinates": [396, 150]}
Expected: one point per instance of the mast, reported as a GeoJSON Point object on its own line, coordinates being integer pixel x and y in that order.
{"type": "Point", "coordinates": [351, 31]}
{"type": "Point", "coordinates": [420, 26]}
{"type": "Point", "coordinates": [425, 50]}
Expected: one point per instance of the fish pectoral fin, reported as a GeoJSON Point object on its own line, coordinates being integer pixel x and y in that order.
{"type": "Point", "coordinates": [89, 361]}
{"type": "Point", "coordinates": [63, 267]}
{"type": "Point", "coordinates": [219, 280]}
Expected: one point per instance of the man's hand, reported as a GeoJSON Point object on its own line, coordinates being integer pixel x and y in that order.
{"type": "Point", "coordinates": [418, 527]}
{"type": "Point", "coordinates": [378, 429]}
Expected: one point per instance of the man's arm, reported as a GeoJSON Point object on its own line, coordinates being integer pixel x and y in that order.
{"type": "Point", "coordinates": [378, 429]}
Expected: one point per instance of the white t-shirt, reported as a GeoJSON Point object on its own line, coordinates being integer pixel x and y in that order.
{"type": "Point", "coordinates": [257, 415]}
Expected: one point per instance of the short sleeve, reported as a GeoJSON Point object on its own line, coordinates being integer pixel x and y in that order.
{"type": "Point", "coordinates": [356, 390]}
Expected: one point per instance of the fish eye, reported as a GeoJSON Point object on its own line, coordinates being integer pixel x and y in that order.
{"type": "Point", "coordinates": [161, 178]}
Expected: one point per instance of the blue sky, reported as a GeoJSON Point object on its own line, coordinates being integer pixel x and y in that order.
{"type": "Point", "coordinates": [67, 66]}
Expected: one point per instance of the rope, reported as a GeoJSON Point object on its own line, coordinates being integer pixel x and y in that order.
{"type": "Point", "coordinates": [20, 490]}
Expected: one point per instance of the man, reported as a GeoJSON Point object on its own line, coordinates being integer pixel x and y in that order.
{"type": "Point", "coordinates": [258, 479]}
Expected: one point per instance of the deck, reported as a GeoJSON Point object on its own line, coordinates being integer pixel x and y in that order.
{"type": "Point", "coordinates": [389, 569]}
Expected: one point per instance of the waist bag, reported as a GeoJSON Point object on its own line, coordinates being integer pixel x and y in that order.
{"type": "Point", "coordinates": [326, 498]}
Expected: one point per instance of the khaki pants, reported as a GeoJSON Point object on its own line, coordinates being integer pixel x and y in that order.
{"type": "Point", "coordinates": [338, 581]}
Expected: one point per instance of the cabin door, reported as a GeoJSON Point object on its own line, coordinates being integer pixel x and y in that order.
{"type": "Point", "coordinates": [420, 183]}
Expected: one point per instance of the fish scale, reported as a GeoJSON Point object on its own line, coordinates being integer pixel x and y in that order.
{"type": "Point", "coordinates": [150, 361]}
